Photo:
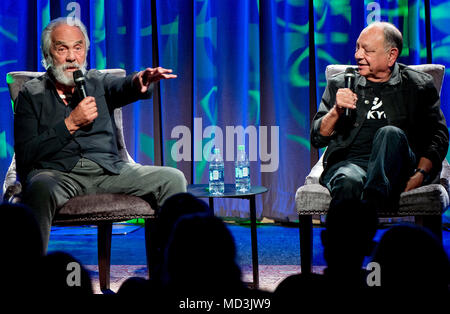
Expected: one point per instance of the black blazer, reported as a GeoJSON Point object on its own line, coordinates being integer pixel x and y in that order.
{"type": "Point", "coordinates": [42, 140]}
{"type": "Point", "coordinates": [417, 112]}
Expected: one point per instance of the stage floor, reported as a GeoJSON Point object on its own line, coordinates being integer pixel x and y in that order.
{"type": "Point", "coordinates": [269, 275]}
{"type": "Point", "coordinates": [278, 251]}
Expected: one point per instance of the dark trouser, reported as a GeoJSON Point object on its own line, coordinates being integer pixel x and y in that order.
{"type": "Point", "coordinates": [391, 164]}
{"type": "Point", "coordinates": [48, 190]}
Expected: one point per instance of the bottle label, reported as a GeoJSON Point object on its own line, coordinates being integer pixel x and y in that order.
{"type": "Point", "coordinates": [215, 175]}
{"type": "Point", "coordinates": [238, 172]}
{"type": "Point", "coordinates": [244, 172]}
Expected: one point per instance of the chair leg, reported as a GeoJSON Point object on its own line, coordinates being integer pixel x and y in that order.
{"type": "Point", "coordinates": [306, 243]}
{"type": "Point", "coordinates": [104, 233]}
{"type": "Point", "coordinates": [150, 247]}
{"type": "Point", "coordinates": [432, 223]}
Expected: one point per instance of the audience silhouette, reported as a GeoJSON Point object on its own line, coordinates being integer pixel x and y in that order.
{"type": "Point", "coordinates": [347, 238]}
{"type": "Point", "coordinates": [26, 270]}
{"type": "Point", "coordinates": [23, 249]}
{"type": "Point", "coordinates": [63, 275]}
{"type": "Point", "coordinates": [412, 261]}
{"type": "Point", "coordinates": [173, 208]}
{"type": "Point", "coordinates": [200, 263]}
{"type": "Point", "coordinates": [200, 258]}
{"type": "Point", "coordinates": [195, 256]}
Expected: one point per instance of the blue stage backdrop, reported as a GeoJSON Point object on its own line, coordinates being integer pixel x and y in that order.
{"type": "Point", "coordinates": [243, 75]}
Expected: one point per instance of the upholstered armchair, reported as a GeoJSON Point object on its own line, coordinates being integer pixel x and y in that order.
{"type": "Point", "coordinates": [101, 209]}
{"type": "Point", "coordinates": [426, 203]}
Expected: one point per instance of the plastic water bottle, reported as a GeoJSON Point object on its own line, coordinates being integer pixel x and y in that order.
{"type": "Point", "coordinates": [216, 175]}
{"type": "Point", "coordinates": [242, 171]}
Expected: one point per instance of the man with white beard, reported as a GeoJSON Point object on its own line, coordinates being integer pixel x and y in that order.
{"type": "Point", "coordinates": [66, 145]}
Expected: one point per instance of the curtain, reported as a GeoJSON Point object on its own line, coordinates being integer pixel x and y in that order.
{"type": "Point", "coordinates": [246, 70]}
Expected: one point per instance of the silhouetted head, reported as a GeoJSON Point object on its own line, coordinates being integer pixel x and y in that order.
{"type": "Point", "coordinates": [63, 275]}
{"type": "Point", "coordinates": [348, 236]}
{"type": "Point", "coordinates": [412, 258]}
{"type": "Point", "coordinates": [24, 236]}
{"type": "Point", "coordinates": [21, 245]}
{"type": "Point", "coordinates": [173, 208]}
{"type": "Point", "coordinates": [200, 257]}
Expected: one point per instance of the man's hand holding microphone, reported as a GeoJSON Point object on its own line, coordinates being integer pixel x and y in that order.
{"type": "Point", "coordinates": [345, 97]}
{"type": "Point", "coordinates": [86, 111]}
{"type": "Point", "coordinates": [84, 114]}
{"type": "Point", "coordinates": [346, 101]}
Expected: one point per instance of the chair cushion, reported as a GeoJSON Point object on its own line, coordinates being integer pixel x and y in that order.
{"type": "Point", "coordinates": [103, 207]}
{"type": "Point", "coordinates": [430, 199]}
{"type": "Point", "coordinates": [312, 199]}
{"type": "Point", "coordinates": [433, 199]}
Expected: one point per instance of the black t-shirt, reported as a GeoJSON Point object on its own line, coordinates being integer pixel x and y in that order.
{"type": "Point", "coordinates": [360, 149]}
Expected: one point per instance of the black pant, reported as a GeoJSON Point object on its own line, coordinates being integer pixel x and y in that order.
{"type": "Point", "coordinates": [389, 167]}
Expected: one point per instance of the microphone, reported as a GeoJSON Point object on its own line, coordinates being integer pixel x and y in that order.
{"type": "Point", "coordinates": [349, 83]}
{"type": "Point", "coordinates": [80, 82]}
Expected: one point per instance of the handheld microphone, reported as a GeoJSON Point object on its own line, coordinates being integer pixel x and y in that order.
{"type": "Point", "coordinates": [349, 83]}
{"type": "Point", "coordinates": [80, 82]}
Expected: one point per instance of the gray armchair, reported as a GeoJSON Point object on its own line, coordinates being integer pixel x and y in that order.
{"type": "Point", "coordinates": [426, 203]}
{"type": "Point", "coordinates": [101, 209]}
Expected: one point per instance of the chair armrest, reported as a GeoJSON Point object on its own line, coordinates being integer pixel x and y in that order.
{"type": "Point", "coordinates": [315, 173]}
{"type": "Point", "coordinates": [445, 175]}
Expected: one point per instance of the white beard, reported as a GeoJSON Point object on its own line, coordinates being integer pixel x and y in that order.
{"type": "Point", "coordinates": [66, 78]}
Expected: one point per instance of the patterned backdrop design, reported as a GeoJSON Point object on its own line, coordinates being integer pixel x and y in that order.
{"type": "Point", "coordinates": [241, 64]}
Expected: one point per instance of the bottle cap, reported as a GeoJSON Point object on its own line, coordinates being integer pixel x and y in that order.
{"type": "Point", "coordinates": [216, 150]}
{"type": "Point", "coordinates": [241, 147]}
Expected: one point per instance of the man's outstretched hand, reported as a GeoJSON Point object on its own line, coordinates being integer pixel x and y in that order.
{"type": "Point", "coordinates": [148, 76]}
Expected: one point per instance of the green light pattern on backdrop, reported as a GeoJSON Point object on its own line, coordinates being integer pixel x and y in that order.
{"type": "Point", "coordinates": [99, 34]}
{"type": "Point", "coordinates": [6, 150]}
{"type": "Point", "coordinates": [3, 145]}
{"type": "Point", "coordinates": [293, 77]}
{"type": "Point", "coordinates": [146, 146]}
{"type": "Point", "coordinates": [8, 34]}
{"type": "Point", "coordinates": [300, 140]}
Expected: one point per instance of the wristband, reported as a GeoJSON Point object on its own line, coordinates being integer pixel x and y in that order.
{"type": "Point", "coordinates": [425, 174]}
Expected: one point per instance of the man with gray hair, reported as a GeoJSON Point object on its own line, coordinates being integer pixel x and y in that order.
{"type": "Point", "coordinates": [66, 145]}
{"type": "Point", "coordinates": [395, 137]}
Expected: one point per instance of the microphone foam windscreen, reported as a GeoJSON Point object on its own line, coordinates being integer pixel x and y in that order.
{"type": "Point", "coordinates": [348, 70]}
{"type": "Point", "coordinates": [78, 76]}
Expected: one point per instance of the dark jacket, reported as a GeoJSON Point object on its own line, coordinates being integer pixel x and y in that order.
{"type": "Point", "coordinates": [42, 140]}
{"type": "Point", "coordinates": [417, 112]}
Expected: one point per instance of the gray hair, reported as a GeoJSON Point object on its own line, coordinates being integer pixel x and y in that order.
{"type": "Point", "coordinates": [392, 36]}
{"type": "Point", "coordinates": [46, 37]}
